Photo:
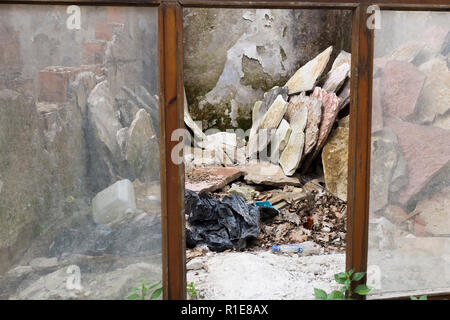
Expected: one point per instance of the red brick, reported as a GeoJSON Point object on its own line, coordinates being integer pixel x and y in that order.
{"type": "Point", "coordinates": [93, 52]}
{"type": "Point", "coordinates": [98, 70]}
{"type": "Point", "coordinates": [53, 82]}
{"type": "Point", "coordinates": [52, 86]}
{"type": "Point", "coordinates": [10, 51]}
{"type": "Point", "coordinates": [114, 14]}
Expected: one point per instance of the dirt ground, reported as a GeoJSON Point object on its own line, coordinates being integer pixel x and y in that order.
{"type": "Point", "coordinates": [263, 275]}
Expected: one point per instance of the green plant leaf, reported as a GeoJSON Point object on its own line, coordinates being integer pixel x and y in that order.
{"type": "Point", "coordinates": [340, 277]}
{"type": "Point", "coordinates": [155, 295]}
{"type": "Point", "coordinates": [336, 295]}
{"type": "Point", "coordinates": [134, 296]}
{"type": "Point", "coordinates": [347, 283]}
{"type": "Point", "coordinates": [424, 297]}
{"type": "Point", "coordinates": [154, 285]}
{"type": "Point", "coordinates": [358, 276]}
{"type": "Point", "coordinates": [362, 290]}
{"type": "Point", "coordinates": [350, 272]}
{"type": "Point", "coordinates": [320, 294]}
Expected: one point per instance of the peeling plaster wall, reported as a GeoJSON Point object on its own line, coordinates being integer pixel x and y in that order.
{"type": "Point", "coordinates": [233, 56]}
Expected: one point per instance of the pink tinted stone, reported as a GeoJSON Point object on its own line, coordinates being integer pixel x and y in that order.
{"type": "Point", "coordinates": [330, 107]}
{"type": "Point", "coordinates": [401, 84]}
{"type": "Point", "coordinates": [426, 149]}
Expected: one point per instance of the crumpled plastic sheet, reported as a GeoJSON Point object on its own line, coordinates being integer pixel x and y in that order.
{"type": "Point", "coordinates": [221, 225]}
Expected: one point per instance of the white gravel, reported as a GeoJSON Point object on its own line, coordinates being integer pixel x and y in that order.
{"type": "Point", "coordinates": [264, 275]}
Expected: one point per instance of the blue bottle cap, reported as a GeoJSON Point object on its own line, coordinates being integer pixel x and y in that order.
{"type": "Point", "coordinates": [275, 248]}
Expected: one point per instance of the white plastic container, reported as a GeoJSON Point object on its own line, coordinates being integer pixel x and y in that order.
{"type": "Point", "coordinates": [113, 203]}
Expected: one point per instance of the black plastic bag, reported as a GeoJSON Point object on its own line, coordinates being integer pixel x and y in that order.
{"type": "Point", "coordinates": [221, 225]}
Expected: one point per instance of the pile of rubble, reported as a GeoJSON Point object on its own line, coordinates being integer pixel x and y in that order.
{"type": "Point", "coordinates": [290, 125]}
{"type": "Point", "coordinates": [307, 214]}
{"type": "Point", "coordinates": [269, 162]}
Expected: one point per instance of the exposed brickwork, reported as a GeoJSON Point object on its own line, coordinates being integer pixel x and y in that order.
{"type": "Point", "coordinates": [93, 52]}
{"type": "Point", "coordinates": [53, 82]}
{"type": "Point", "coordinates": [114, 14]}
{"type": "Point", "coordinates": [105, 31]}
{"type": "Point", "coordinates": [53, 85]}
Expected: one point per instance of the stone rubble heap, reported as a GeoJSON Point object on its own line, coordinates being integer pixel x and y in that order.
{"type": "Point", "coordinates": [290, 126]}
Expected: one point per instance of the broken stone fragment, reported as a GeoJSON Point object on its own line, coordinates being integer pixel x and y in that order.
{"type": "Point", "coordinates": [335, 160]}
{"type": "Point", "coordinates": [434, 211]}
{"type": "Point", "coordinates": [226, 138]}
{"type": "Point", "coordinates": [314, 107]}
{"type": "Point", "coordinates": [236, 155]}
{"type": "Point", "coordinates": [255, 111]}
{"type": "Point", "coordinates": [199, 136]}
{"type": "Point", "coordinates": [342, 58]}
{"type": "Point", "coordinates": [273, 116]}
{"type": "Point", "coordinates": [407, 52]}
{"type": "Point", "coordinates": [400, 176]}
{"type": "Point", "coordinates": [253, 138]}
{"type": "Point", "coordinates": [266, 173]}
{"type": "Point", "coordinates": [269, 98]}
{"type": "Point", "coordinates": [103, 121]}
{"type": "Point", "coordinates": [245, 191]}
{"type": "Point", "coordinates": [330, 107]}
{"type": "Point", "coordinates": [195, 264]}
{"type": "Point", "coordinates": [218, 152]}
{"type": "Point", "coordinates": [103, 116]}
{"type": "Point", "coordinates": [267, 126]}
{"type": "Point", "coordinates": [382, 165]}
{"type": "Point", "coordinates": [335, 78]}
{"type": "Point", "coordinates": [305, 78]}
{"type": "Point", "coordinates": [211, 179]}
{"type": "Point", "coordinates": [143, 147]}
{"type": "Point", "coordinates": [122, 137]}
{"type": "Point", "coordinates": [294, 105]}
{"type": "Point", "coordinates": [434, 100]}
{"type": "Point", "coordinates": [292, 154]}
{"type": "Point", "coordinates": [344, 95]}
{"type": "Point", "coordinates": [426, 150]}
{"type": "Point", "coordinates": [81, 87]}
{"type": "Point", "coordinates": [442, 122]}
{"type": "Point", "coordinates": [401, 84]}
{"type": "Point", "coordinates": [280, 140]}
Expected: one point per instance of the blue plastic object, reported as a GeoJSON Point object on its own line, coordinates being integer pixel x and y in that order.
{"type": "Point", "coordinates": [265, 204]}
{"type": "Point", "coordinates": [289, 248]}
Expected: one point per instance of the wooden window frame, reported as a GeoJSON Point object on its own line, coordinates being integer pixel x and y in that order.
{"type": "Point", "coordinates": [170, 16]}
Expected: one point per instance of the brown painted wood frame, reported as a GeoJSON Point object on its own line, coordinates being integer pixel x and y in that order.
{"type": "Point", "coordinates": [171, 117]}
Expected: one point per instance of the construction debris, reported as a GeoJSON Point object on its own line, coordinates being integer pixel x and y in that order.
{"type": "Point", "coordinates": [290, 127]}
{"type": "Point", "coordinates": [220, 224]}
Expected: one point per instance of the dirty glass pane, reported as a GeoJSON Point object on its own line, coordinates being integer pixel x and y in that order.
{"type": "Point", "coordinates": [79, 152]}
{"type": "Point", "coordinates": [267, 115]}
{"type": "Point", "coordinates": [409, 226]}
